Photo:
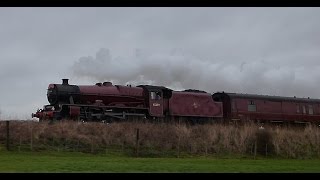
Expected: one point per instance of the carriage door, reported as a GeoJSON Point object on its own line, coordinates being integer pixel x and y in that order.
{"type": "Point", "coordinates": [156, 103]}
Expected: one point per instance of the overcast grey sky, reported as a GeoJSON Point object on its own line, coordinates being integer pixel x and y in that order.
{"type": "Point", "coordinates": [273, 51]}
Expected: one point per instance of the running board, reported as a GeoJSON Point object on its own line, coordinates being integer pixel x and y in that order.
{"type": "Point", "coordinates": [119, 115]}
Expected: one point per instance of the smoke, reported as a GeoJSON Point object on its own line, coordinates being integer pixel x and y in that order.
{"type": "Point", "coordinates": [178, 70]}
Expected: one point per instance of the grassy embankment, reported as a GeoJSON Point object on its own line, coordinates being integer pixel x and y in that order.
{"type": "Point", "coordinates": [97, 147]}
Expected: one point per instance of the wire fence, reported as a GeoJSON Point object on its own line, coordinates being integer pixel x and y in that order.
{"type": "Point", "coordinates": [159, 139]}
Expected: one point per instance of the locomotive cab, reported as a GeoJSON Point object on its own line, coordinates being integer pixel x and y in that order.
{"type": "Point", "coordinates": [156, 97]}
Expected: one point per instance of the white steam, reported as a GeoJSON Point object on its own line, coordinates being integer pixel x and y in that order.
{"type": "Point", "coordinates": [180, 71]}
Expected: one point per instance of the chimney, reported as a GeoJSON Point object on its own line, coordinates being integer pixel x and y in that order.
{"type": "Point", "coordinates": [65, 81]}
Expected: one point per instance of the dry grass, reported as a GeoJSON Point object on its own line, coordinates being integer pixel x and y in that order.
{"type": "Point", "coordinates": [209, 139]}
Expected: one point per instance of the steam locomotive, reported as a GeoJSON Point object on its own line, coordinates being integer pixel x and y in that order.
{"type": "Point", "coordinates": [107, 102]}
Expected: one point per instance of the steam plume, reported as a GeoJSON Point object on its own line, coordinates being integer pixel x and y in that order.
{"type": "Point", "coordinates": [179, 71]}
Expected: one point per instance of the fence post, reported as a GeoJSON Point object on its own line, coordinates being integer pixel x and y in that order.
{"type": "Point", "coordinates": [20, 141]}
{"type": "Point", "coordinates": [266, 149]}
{"type": "Point", "coordinates": [179, 146]}
{"type": "Point", "coordinates": [255, 149]}
{"type": "Point", "coordinates": [91, 144]}
{"type": "Point", "coordinates": [137, 143]}
{"type": "Point", "coordinates": [206, 149]}
{"type": "Point", "coordinates": [8, 136]}
{"type": "Point", "coordinates": [78, 145]}
{"type": "Point", "coordinates": [31, 138]}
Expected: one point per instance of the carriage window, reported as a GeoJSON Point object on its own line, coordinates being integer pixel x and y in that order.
{"type": "Point", "coordinates": [233, 105]}
{"type": "Point", "coordinates": [304, 109]}
{"type": "Point", "coordinates": [251, 106]}
{"type": "Point", "coordinates": [155, 95]}
{"type": "Point", "coordinates": [158, 95]}
{"type": "Point", "coordinates": [310, 109]}
{"type": "Point", "coordinates": [298, 108]}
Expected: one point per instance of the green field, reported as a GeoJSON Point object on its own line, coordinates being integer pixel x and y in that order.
{"type": "Point", "coordinates": [80, 162]}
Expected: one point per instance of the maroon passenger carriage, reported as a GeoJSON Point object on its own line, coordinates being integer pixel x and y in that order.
{"type": "Point", "coordinates": [263, 108]}
{"type": "Point", "coordinates": [104, 101]}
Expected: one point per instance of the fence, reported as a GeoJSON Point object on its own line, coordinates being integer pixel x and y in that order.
{"type": "Point", "coordinates": [151, 139]}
